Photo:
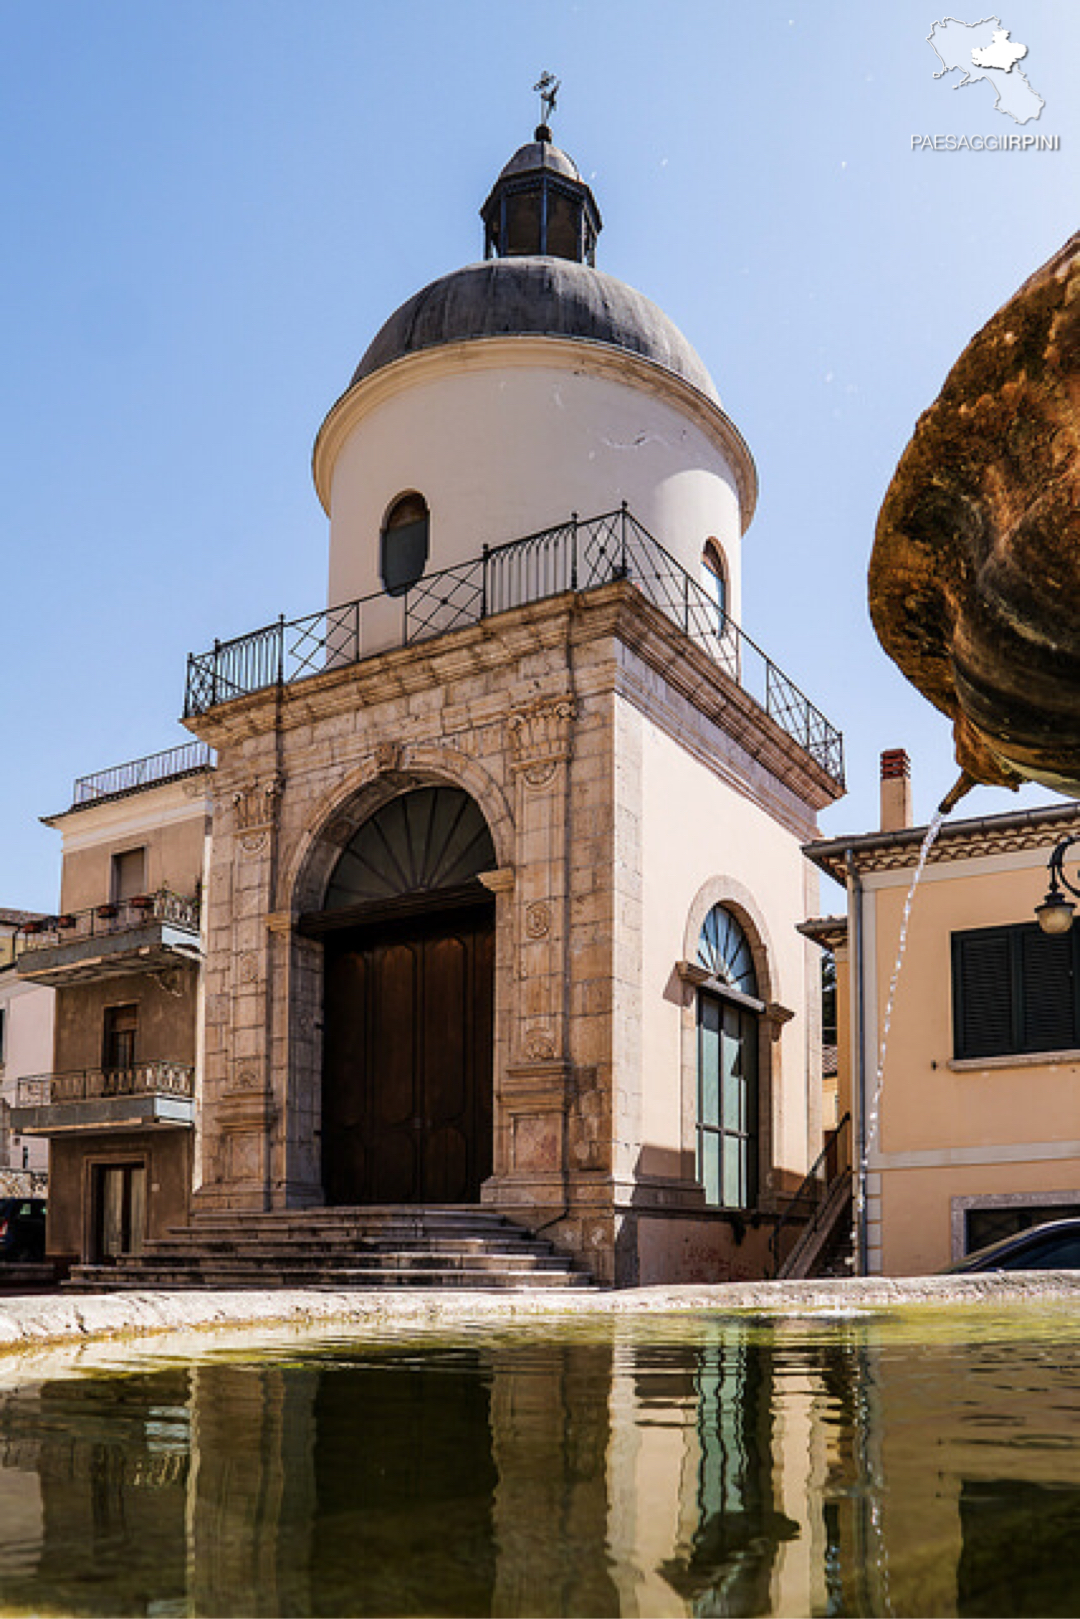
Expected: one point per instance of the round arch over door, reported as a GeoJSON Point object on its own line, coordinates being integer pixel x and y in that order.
{"type": "Point", "coordinates": [409, 984]}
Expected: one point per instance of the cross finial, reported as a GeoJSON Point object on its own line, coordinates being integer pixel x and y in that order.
{"type": "Point", "coordinates": [547, 86]}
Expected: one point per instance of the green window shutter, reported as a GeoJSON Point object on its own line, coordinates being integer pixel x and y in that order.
{"type": "Point", "coordinates": [1048, 990]}
{"type": "Point", "coordinates": [1015, 989]}
{"type": "Point", "coordinates": [983, 1012]}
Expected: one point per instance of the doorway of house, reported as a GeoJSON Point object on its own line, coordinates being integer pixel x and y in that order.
{"type": "Point", "coordinates": [408, 932]}
{"type": "Point", "coordinates": [119, 1210]}
{"type": "Point", "coordinates": [407, 1088]}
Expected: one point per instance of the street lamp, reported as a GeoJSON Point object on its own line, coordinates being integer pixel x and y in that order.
{"type": "Point", "coordinates": [1055, 914]}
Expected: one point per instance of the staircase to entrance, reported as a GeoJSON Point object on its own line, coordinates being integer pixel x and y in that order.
{"type": "Point", "coordinates": [392, 1246]}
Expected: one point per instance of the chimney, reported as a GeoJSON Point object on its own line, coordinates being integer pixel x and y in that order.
{"type": "Point", "coordinates": [895, 790]}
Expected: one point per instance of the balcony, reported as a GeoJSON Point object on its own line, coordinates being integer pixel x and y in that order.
{"type": "Point", "coordinates": [150, 933]}
{"type": "Point", "coordinates": [580, 555]}
{"type": "Point", "coordinates": [138, 774]}
{"type": "Point", "coordinates": [156, 1094]}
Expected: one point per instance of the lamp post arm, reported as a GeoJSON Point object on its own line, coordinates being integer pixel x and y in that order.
{"type": "Point", "coordinates": [1056, 866]}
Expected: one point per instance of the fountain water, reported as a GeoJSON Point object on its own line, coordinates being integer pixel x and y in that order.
{"type": "Point", "coordinates": [874, 1110]}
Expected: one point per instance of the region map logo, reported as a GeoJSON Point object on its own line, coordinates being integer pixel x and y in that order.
{"type": "Point", "coordinates": [985, 53]}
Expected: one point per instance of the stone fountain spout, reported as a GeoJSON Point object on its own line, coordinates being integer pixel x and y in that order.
{"type": "Point", "coordinates": [975, 575]}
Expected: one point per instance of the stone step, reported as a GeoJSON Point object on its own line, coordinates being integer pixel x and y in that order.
{"type": "Point", "coordinates": [377, 1260]}
{"type": "Point", "coordinates": [92, 1278]}
{"type": "Point", "coordinates": [454, 1214]}
{"type": "Point", "coordinates": [387, 1246]}
{"type": "Point", "coordinates": [169, 1249]}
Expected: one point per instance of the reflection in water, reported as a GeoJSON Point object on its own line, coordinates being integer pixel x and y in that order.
{"type": "Point", "coordinates": [678, 1467]}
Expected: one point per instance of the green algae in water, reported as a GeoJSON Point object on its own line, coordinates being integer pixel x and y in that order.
{"type": "Point", "coordinates": [923, 1462]}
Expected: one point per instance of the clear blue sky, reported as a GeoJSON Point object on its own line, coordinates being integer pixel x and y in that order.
{"type": "Point", "coordinates": [210, 207]}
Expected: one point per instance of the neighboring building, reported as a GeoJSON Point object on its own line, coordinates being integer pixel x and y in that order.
{"type": "Point", "coordinates": [974, 1132]}
{"type": "Point", "coordinates": [26, 1037]}
{"type": "Point", "coordinates": [115, 1096]}
{"type": "Point", "coordinates": [506, 877]}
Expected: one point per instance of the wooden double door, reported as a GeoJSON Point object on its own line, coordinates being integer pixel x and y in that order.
{"type": "Point", "coordinates": [407, 1078]}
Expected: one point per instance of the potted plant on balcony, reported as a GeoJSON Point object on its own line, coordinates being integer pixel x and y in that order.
{"type": "Point", "coordinates": [142, 902]}
{"type": "Point", "coordinates": [66, 921]}
{"type": "Point", "coordinates": [106, 912]}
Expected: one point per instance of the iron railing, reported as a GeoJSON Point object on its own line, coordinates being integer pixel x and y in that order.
{"type": "Point", "coordinates": [48, 932]}
{"type": "Point", "coordinates": [159, 1078]}
{"type": "Point", "coordinates": [148, 772]}
{"type": "Point", "coordinates": [580, 554]}
{"type": "Point", "coordinates": [806, 1203]}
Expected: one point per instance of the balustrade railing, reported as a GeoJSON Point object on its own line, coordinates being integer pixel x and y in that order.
{"type": "Point", "coordinates": [806, 1203]}
{"type": "Point", "coordinates": [581, 554]}
{"type": "Point", "coordinates": [121, 916]}
{"type": "Point", "coordinates": [159, 1078]}
{"type": "Point", "coordinates": [147, 772]}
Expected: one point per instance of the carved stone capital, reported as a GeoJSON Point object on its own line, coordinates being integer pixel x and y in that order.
{"type": "Point", "coordinates": [255, 807]}
{"type": "Point", "coordinates": [499, 881]}
{"type": "Point", "coordinates": [540, 735]}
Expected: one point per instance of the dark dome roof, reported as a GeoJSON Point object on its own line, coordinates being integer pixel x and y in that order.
{"type": "Point", "coordinates": [540, 155]}
{"type": "Point", "coordinates": [535, 297]}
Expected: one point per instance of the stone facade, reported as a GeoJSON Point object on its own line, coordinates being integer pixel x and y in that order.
{"type": "Point", "coordinates": [537, 714]}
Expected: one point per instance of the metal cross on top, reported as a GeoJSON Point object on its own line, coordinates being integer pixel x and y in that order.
{"type": "Point", "coordinates": [548, 87]}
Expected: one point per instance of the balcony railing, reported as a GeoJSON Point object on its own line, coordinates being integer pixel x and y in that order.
{"type": "Point", "coordinates": [49, 932]}
{"type": "Point", "coordinates": [581, 554]}
{"type": "Point", "coordinates": [92, 1084]}
{"type": "Point", "coordinates": [148, 772]}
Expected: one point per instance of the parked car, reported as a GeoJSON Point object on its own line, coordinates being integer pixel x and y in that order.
{"type": "Point", "coordinates": [22, 1228]}
{"type": "Point", "coordinates": [1053, 1246]}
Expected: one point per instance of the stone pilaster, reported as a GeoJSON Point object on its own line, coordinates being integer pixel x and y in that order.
{"type": "Point", "coordinates": [534, 1086]}
{"type": "Point", "coordinates": [239, 1109]}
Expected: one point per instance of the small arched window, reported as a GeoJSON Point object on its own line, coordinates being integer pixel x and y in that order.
{"type": "Point", "coordinates": [714, 580]}
{"type": "Point", "coordinates": [405, 543]}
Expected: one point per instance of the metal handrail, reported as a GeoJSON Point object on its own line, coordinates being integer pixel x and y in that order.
{"type": "Point", "coordinates": [147, 772]}
{"type": "Point", "coordinates": [160, 1077]}
{"type": "Point", "coordinates": [830, 1152]}
{"type": "Point", "coordinates": [109, 918]}
{"type": "Point", "coordinates": [580, 554]}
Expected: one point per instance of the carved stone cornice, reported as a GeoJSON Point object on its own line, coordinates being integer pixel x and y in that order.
{"type": "Point", "coordinates": [1010, 833]}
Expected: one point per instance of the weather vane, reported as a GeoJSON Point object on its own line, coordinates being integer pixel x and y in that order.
{"type": "Point", "coordinates": [548, 88]}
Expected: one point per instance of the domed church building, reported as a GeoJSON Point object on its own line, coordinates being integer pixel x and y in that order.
{"type": "Point", "coordinates": [505, 882]}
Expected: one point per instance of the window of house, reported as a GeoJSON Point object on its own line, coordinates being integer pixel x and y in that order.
{"type": "Point", "coordinates": [714, 579]}
{"type": "Point", "coordinates": [118, 1041]}
{"type": "Point", "coordinates": [1015, 990]}
{"type": "Point", "coordinates": [128, 875]}
{"type": "Point", "coordinates": [983, 1226]}
{"type": "Point", "coordinates": [405, 544]}
{"type": "Point", "coordinates": [727, 1100]}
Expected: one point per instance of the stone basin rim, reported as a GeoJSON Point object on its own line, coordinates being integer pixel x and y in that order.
{"type": "Point", "coordinates": [36, 1322]}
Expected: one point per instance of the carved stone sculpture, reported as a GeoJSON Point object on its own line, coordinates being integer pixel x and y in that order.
{"type": "Point", "coordinates": [975, 574]}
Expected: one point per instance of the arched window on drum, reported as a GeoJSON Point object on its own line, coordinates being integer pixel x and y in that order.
{"type": "Point", "coordinates": [728, 1020]}
{"type": "Point", "coordinates": [405, 544]}
{"type": "Point", "coordinates": [714, 581]}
